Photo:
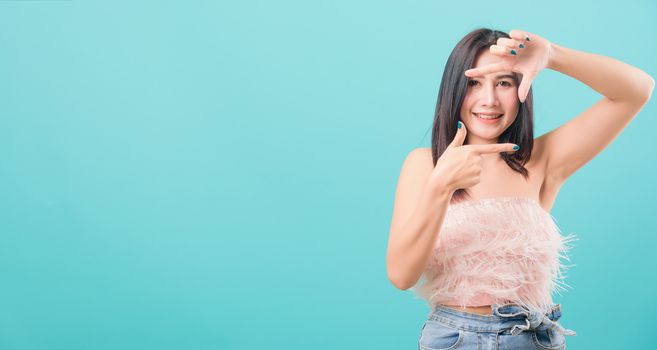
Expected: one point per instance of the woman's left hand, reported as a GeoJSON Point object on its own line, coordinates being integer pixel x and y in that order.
{"type": "Point", "coordinates": [529, 60]}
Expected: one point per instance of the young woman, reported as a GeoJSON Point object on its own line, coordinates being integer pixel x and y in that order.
{"type": "Point", "coordinates": [471, 229]}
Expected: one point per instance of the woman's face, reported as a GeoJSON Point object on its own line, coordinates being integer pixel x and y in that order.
{"type": "Point", "coordinates": [495, 94]}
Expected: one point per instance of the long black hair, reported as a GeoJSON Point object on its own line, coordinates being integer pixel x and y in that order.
{"type": "Point", "coordinates": [452, 93]}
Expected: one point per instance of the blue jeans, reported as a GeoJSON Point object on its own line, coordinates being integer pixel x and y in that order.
{"type": "Point", "coordinates": [509, 327]}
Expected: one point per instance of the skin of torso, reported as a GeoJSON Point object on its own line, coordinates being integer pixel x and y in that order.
{"type": "Point", "coordinates": [499, 180]}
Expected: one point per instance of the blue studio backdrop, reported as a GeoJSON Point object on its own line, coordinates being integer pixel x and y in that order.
{"type": "Point", "coordinates": [221, 174]}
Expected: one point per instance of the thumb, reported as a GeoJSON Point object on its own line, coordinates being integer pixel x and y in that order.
{"type": "Point", "coordinates": [459, 137]}
{"type": "Point", "coordinates": [525, 85]}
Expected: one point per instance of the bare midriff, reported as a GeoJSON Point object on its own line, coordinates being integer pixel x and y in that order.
{"type": "Point", "coordinates": [482, 310]}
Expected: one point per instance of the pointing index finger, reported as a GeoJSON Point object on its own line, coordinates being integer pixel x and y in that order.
{"type": "Point", "coordinates": [495, 148]}
{"type": "Point", "coordinates": [494, 67]}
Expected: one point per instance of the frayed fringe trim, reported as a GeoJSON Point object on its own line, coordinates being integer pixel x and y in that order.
{"type": "Point", "coordinates": [497, 252]}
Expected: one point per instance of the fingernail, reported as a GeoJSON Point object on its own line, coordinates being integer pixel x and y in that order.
{"type": "Point", "coordinates": [513, 52]}
{"type": "Point", "coordinates": [527, 38]}
{"type": "Point", "coordinates": [522, 46]}
{"type": "Point", "coordinates": [516, 147]}
{"type": "Point", "coordinates": [459, 124]}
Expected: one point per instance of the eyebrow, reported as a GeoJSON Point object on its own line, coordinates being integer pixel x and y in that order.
{"type": "Point", "coordinates": [500, 76]}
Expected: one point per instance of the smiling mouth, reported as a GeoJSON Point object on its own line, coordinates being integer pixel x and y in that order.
{"type": "Point", "coordinates": [488, 117]}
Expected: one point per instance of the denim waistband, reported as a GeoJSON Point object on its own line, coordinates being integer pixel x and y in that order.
{"type": "Point", "coordinates": [512, 317]}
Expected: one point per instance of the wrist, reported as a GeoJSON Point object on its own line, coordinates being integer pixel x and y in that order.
{"type": "Point", "coordinates": [440, 189]}
{"type": "Point", "coordinates": [554, 56]}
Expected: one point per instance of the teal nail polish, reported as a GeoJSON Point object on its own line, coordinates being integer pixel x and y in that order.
{"type": "Point", "coordinates": [522, 46]}
{"type": "Point", "coordinates": [513, 52]}
{"type": "Point", "coordinates": [528, 39]}
{"type": "Point", "coordinates": [516, 147]}
{"type": "Point", "coordinates": [459, 124]}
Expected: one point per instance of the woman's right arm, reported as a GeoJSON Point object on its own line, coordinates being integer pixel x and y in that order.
{"type": "Point", "coordinates": [423, 195]}
{"type": "Point", "coordinates": [419, 209]}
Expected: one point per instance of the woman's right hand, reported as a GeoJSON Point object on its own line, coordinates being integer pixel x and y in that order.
{"type": "Point", "coordinates": [460, 165]}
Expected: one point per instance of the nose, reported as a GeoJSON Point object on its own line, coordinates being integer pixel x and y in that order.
{"type": "Point", "coordinates": [490, 95]}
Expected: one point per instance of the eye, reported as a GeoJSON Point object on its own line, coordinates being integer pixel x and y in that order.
{"type": "Point", "coordinates": [474, 82]}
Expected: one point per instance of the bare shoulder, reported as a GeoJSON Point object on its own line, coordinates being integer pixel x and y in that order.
{"type": "Point", "coordinates": [419, 160]}
{"type": "Point", "coordinates": [421, 153]}
{"type": "Point", "coordinates": [418, 166]}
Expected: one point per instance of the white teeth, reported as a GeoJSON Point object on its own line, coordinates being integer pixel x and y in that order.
{"type": "Point", "coordinates": [484, 116]}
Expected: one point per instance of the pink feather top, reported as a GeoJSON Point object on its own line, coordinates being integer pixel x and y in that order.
{"type": "Point", "coordinates": [496, 250]}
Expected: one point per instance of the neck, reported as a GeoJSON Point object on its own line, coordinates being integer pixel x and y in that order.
{"type": "Point", "coordinates": [489, 159]}
{"type": "Point", "coordinates": [473, 140]}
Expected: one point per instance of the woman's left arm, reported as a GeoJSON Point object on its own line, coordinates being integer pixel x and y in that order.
{"type": "Point", "coordinates": [626, 89]}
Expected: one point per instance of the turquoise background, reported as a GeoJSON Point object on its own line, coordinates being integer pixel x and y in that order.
{"type": "Point", "coordinates": [220, 175]}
